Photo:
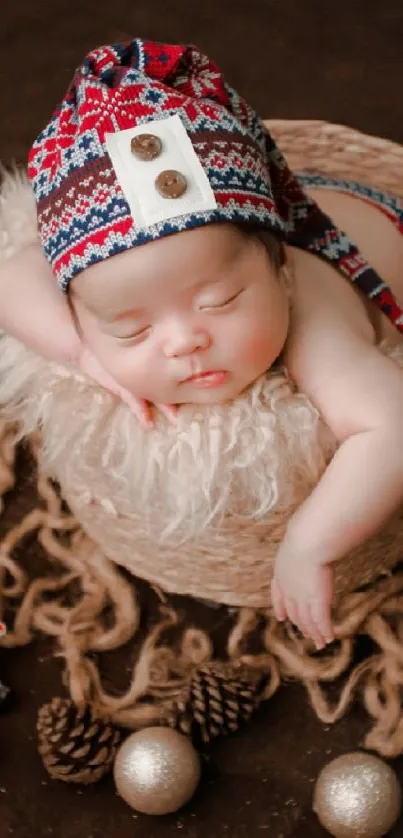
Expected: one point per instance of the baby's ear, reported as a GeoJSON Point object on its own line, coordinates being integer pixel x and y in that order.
{"type": "Point", "coordinates": [275, 248]}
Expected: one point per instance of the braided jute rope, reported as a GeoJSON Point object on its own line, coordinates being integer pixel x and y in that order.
{"type": "Point", "coordinates": [89, 607]}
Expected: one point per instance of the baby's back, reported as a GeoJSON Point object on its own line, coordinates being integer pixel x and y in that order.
{"type": "Point", "coordinates": [380, 242]}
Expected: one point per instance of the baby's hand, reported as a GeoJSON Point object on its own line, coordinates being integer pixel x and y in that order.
{"type": "Point", "coordinates": [302, 591]}
{"type": "Point", "coordinates": [33, 310]}
{"type": "Point", "coordinates": [142, 410]}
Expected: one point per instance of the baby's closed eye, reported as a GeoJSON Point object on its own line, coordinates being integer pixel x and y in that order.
{"type": "Point", "coordinates": [126, 331]}
{"type": "Point", "coordinates": [133, 335]}
{"type": "Point", "coordinates": [206, 305]}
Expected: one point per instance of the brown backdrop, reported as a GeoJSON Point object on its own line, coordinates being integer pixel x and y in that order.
{"type": "Point", "coordinates": [336, 61]}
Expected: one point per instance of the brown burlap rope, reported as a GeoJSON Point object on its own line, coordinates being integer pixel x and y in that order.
{"type": "Point", "coordinates": [39, 605]}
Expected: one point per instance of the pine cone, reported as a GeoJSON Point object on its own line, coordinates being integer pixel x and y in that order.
{"type": "Point", "coordinates": [217, 700]}
{"type": "Point", "coordinates": [75, 745]}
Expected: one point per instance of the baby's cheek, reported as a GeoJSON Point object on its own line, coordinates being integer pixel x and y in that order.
{"type": "Point", "coordinates": [133, 377]}
{"type": "Point", "coordinates": [120, 366]}
{"type": "Point", "coordinates": [257, 351]}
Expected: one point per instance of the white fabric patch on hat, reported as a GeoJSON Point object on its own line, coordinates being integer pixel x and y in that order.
{"type": "Point", "coordinates": [138, 177]}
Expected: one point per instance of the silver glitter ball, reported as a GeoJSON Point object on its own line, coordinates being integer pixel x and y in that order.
{"type": "Point", "coordinates": [157, 770]}
{"type": "Point", "coordinates": [357, 795]}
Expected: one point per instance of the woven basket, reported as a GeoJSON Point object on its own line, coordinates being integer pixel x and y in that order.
{"type": "Point", "coordinates": [231, 559]}
{"type": "Point", "coordinates": [340, 151]}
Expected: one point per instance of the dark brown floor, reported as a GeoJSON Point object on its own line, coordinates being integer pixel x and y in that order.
{"type": "Point", "coordinates": [336, 61]}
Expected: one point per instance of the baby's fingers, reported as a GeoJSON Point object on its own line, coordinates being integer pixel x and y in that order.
{"type": "Point", "coordinates": [309, 627]}
{"type": "Point", "coordinates": [321, 613]}
{"type": "Point", "coordinates": [140, 409]}
{"type": "Point", "coordinates": [170, 411]}
{"type": "Point", "coordinates": [143, 410]}
{"type": "Point", "coordinates": [89, 364]}
{"type": "Point", "coordinates": [292, 610]}
{"type": "Point", "coordinates": [278, 602]}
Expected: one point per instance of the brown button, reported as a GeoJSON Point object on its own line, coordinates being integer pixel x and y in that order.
{"type": "Point", "coordinates": [146, 146]}
{"type": "Point", "coordinates": [171, 184]}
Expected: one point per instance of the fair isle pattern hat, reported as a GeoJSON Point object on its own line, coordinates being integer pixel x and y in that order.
{"type": "Point", "coordinates": [93, 204]}
{"type": "Point", "coordinates": [150, 140]}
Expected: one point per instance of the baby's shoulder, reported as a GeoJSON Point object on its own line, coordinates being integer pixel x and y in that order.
{"type": "Point", "coordinates": [331, 351]}
{"type": "Point", "coordinates": [324, 303]}
{"type": "Point", "coordinates": [379, 237]}
{"type": "Point", "coordinates": [328, 321]}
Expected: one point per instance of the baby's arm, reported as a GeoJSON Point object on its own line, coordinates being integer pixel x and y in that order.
{"type": "Point", "coordinates": [33, 310]}
{"type": "Point", "coordinates": [359, 392]}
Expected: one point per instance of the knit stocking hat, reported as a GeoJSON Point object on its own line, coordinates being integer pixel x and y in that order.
{"type": "Point", "coordinates": [150, 140]}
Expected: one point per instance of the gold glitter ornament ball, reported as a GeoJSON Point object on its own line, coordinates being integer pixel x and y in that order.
{"type": "Point", "coordinates": [357, 795]}
{"type": "Point", "coordinates": [156, 770]}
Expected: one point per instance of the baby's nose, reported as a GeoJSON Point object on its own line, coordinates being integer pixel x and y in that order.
{"type": "Point", "coordinates": [184, 339]}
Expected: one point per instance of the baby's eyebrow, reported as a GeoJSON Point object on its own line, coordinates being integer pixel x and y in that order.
{"type": "Point", "coordinates": [134, 313]}
{"type": "Point", "coordinates": [123, 314]}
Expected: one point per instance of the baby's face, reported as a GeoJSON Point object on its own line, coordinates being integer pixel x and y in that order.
{"type": "Point", "coordinates": [194, 317]}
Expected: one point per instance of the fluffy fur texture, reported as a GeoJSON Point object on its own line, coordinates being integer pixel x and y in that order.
{"type": "Point", "coordinates": [188, 507]}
